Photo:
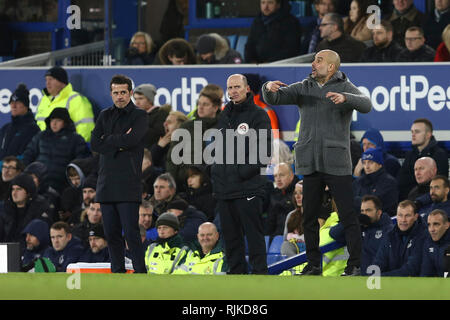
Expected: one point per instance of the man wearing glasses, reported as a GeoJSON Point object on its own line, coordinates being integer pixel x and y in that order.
{"type": "Point", "coordinates": [416, 50]}
{"type": "Point", "coordinates": [11, 168]}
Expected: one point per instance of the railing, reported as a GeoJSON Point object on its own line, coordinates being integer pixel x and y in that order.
{"type": "Point", "coordinates": [306, 58]}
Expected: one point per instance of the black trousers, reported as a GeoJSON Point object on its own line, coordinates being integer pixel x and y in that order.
{"type": "Point", "coordinates": [239, 217]}
{"type": "Point", "coordinates": [117, 217]}
{"type": "Point", "coordinates": [341, 190]}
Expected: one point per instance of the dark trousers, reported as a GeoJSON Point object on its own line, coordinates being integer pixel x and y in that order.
{"type": "Point", "coordinates": [239, 217]}
{"type": "Point", "coordinates": [117, 217]}
{"type": "Point", "coordinates": [342, 193]}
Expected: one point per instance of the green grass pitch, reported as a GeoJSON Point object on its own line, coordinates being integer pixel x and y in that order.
{"type": "Point", "coordinates": [231, 287]}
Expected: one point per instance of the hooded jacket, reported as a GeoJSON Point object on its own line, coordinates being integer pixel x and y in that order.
{"type": "Point", "coordinates": [41, 231]}
{"type": "Point", "coordinates": [190, 220]}
{"type": "Point", "coordinates": [324, 140]}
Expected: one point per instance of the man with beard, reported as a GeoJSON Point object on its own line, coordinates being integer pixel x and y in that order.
{"type": "Point", "coordinates": [384, 49]}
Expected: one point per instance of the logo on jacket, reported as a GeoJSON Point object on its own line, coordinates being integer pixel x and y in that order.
{"type": "Point", "coordinates": [431, 250]}
{"type": "Point", "coordinates": [61, 259]}
{"type": "Point", "coordinates": [409, 244]}
{"type": "Point", "coordinates": [378, 234]}
{"type": "Point", "coordinates": [242, 128]}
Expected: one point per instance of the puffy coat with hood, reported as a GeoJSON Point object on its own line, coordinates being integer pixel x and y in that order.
{"type": "Point", "coordinates": [41, 231]}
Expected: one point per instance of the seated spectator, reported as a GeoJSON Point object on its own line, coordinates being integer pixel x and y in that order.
{"type": "Point", "coordinates": [148, 220]}
{"type": "Point", "coordinates": [424, 170]}
{"type": "Point", "coordinates": [206, 255]}
{"type": "Point", "coordinates": [376, 182]}
{"type": "Point", "coordinates": [356, 23]}
{"type": "Point", "coordinates": [56, 147]}
{"type": "Point", "coordinates": [405, 15]}
{"type": "Point", "coordinates": [209, 90]}
{"type": "Point", "coordinates": [294, 239]}
{"type": "Point", "coordinates": [37, 240]}
{"type": "Point", "coordinates": [372, 138]}
{"type": "Point", "coordinates": [149, 172]}
{"type": "Point", "coordinates": [176, 52]}
{"type": "Point", "coordinates": [22, 206]}
{"type": "Point", "coordinates": [92, 217]}
{"type": "Point", "coordinates": [439, 189]}
{"type": "Point", "coordinates": [16, 135]}
{"type": "Point", "coordinates": [212, 48]}
{"type": "Point", "coordinates": [400, 254]}
{"type": "Point", "coordinates": [423, 145]}
{"type": "Point", "coordinates": [281, 199]}
{"type": "Point", "coordinates": [334, 38]}
{"type": "Point", "coordinates": [416, 50]}
{"type": "Point", "coordinates": [189, 218]}
{"type": "Point", "coordinates": [436, 22]}
{"type": "Point", "coordinates": [89, 191]}
{"type": "Point", "coordinates": [98, 246]}
{"type": "Point", "coordinates": [165, 190]}
{"type": "Point", "coordinates": [69, 210]}
{"type": "Point", "coordinates": [322, 7]}
{"type": "Point", "coordinates": [164, 255]}
{"type": "Point", "coordinates": [11, 168]}
{"type": "Point", "coordinates": [79, 169]}
{"type": "Point", "coordinates": [141, 51]}
{"type": "Point", "coordinates": [144, 96]}
{"type": "Point", "coordinates": [375, 225]}
{"type": "Point", "coordinates": [274, 35]}
{"type": "Point", "coordinates": [435, 244]}
{"type": "Point", "coordinates": [199, 191]}
{"type": "Point", "coordinates": [443, 50]}
{"type": "Point", "coordinates": [384, 49]}
{"type": "Point", "coordinates": [65, 248]}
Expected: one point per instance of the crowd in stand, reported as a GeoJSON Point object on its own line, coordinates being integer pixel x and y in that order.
{"type": "Point", "coordinates": [49, 173]}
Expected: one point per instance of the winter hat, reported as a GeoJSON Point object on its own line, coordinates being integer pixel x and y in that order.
{"type": "Point", "coordinates": [178, 204]}
{"type": "Point", "coordinates": [37, 168]}
{"type": "Point", "coordinates": [206, 44]}
{"type": "Point", "coordinates": [90, 182]}
{"type": "Point", "coordinates": [168, 219]}
{"type": "Point", "coordinates": [59, 113]}
{"type": "Point", "coordinates": [40, 230]}
{"type": "Point", "coordinates": [374, 136]}
{"type": "Point", "coordinates": [24, 180]}
{"type": "Point", "coordinates": [374, 154]}
{"type": "Point", "coordinates": [148, 90]}
{"type": "Point", "coordinates": [58, 73]}
{"type": "Point", "coordinates": [97, 231]}
{"type": "Point", "coordinates": [21, 94]}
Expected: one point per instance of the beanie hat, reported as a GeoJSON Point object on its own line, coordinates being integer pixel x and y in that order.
{"type": "Point", "coordinates": [206, 44]}
{"type": "Point", "coordinates": [21, 94]}
{"type": "Point", "coordinates": [90, 182]}
{"type": "Point", "coordinates": [168, 219]}
{"type": "Point", "coordinates": [374, 154]}
{"type": "Point", "coordinates": [148, 90]}
{"type": "Point", "coordinates": [97, 231]}
{"type": "Point", "coordinates": [59, 113]}
{"type": "Point", "coordinates": [59, 74]}
{"type": "Point", "coordinates": [177, 204]}
{"type": "Point", "coordinates": [26, 182]}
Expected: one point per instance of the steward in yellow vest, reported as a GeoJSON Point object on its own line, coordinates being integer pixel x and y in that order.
{"type": "Point", "coordinates": [60, 94]}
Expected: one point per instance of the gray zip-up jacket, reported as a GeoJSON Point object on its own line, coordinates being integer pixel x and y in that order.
{"type": "Point", "coordinates": [324, 139]}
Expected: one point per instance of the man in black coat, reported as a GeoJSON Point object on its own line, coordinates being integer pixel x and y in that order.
{"type": "Point", "coordinates": [384, 48]}
{"type": "Point", "coordinates": [237, 182]}
{"type": "Point", "coordinates": [119, 138]}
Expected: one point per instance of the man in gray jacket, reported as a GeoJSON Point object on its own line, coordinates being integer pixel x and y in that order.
{"type": "Point", "coordinates": [326, 100]}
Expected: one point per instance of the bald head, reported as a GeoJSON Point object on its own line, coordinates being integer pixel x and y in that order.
{"type": "Point", "coordinates": [207, 236]}
{"type": "Point", "coordinates": [332, 57]}
{"type": "Point", "coordinates": [237, 88]}
{"type": "Point", "coordinates": [425, 169]}
{"type": "Point", "coordinates": [283, 175]}
{"type": "Point", "coordinates": [326, 63]}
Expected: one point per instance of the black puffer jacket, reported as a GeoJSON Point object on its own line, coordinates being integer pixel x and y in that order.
{"type": "Point", "coordinates": [234, 181]}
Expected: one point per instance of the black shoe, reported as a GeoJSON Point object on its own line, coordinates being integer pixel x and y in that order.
{"type": "Point", "coordinates": [311, 270]}
{"type": "Point", "coordinates": [351, 271]}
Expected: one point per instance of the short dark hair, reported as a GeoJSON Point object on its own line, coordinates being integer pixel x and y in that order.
{"type": "Point", "coordinates": [416, 28]}
{"type": "Point", "coordinates": [387, 25]}
{"type": "Point", "coordinates": [376, 201]}
{"type": "Point", "coordinates": [60, 225]}
{"type": "Point", "coordinates": [121, 79]}
{"type": "Point", "coordinates": [443, 178]}
{"type": "Point", "coordinates": [408, 203]}
{"type": "Point", "coordinates": [440, 212]}
{"type": "Point", "coordinates": [426, 122]}
{"type": "Point", "coordinates": [336, 19]}
{"type": "Point", "coordinates": [19, 164]}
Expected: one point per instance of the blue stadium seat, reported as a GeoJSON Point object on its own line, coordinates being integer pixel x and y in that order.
{"type": "Point", "coordinates": [275, 245]}
{"type": "Point", "coordinates": [232, 38]}
{"type": "Point", "coordinates": [240, 45]}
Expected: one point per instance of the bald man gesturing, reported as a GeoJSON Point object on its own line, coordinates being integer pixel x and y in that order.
{"type": "Point", "coordinates": [326, 100]}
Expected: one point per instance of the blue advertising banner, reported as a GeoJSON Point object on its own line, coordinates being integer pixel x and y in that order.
{"type": "Point", "coordinates": [400, 93]}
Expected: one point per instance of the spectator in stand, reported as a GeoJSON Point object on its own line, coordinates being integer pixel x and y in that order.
{"type": "Point", "coordinates": [149, 172]}
{"type": "Point", "coordinates": [322, 7]}
{"type": "Point", "coordinates": [376, 181]}
{"type": "Point", "coordinates": [281, 199]}
{"type": "Point", "coordinates": [11, 168]}
{"type": "Point", "coordinates": [97, 250]}
{"type": "Point", "coordinates": [439, 189]}
{"type": "Point", "coordinates": [189, 217]}
{"type": "Point", "coordinates": [89, 190]}
{"type": "Point", "coordinates": [405, 15]}
{"type": "Point", "coordinates": [65, 249]}
{"type": "Point", "coordinates": [443, 50]}
{"type": "Point", "coordinates": [372, 138]}
{"type": "Point", "coordinates": [436, 22]}
{"type": "Point", "coordinates": [147, 219]}
{"type": "Point", "coordinates": [144, 96]}
{"type": "Point", "coordinates": [423, 145]}
{"type": "Point", "coordinates": [384, 49]}
{"type": "Point", "coordinates": [37, 240]}
{"type": "Point", "coordinates": [91, 217]}
{"type": "Point", "coordinates": [416, 50]}
{"type": "Point", "coordinates": [58, 93]}
{"type": "Point", "coordinates": [141, 51]}
{"type": "Point", "coordinates": [424, 170]}
{"type": "Point", "coordinates": [15, 135]}
{"type": "Point", "coordinates": [400, 254]}
{"type": "Point", "coordinates": [356, 23]}
{"type": "Point", "coordinates": [165, 190]}
{"type": "Point", "coordinates": [435, 245]}
{"type": "Point", "coordinates": [56, 147]}
{"type": "Point", "coordinates": [22, 206]}
{"type": "Point", "coordinates": [334, 38]}
{"type": "Point", "coordinates": [212, 48]}
{"type": "Point", "coordinates": [274, 35]}
{"type": "Point", "coordinates": [176, 52]}
{"type": "Point", "coordinates": [375, 225]}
